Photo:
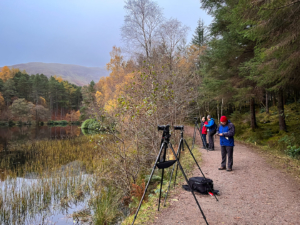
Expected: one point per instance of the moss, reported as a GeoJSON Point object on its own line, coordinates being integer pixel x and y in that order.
{"type": "Point", "coordinates": [268, 134]}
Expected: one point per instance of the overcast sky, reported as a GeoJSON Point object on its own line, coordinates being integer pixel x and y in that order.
{"type": "Point", "coordinates": [80, 32]}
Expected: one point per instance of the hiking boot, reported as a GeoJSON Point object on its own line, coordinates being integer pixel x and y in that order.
{"type": "Point", "coordinates": [229, 170]}
{"type": "Point", "coordinates": [222, 168]}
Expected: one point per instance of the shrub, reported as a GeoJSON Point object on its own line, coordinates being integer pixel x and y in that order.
{"type": "Point", "coordinates": [50, 122]}
{"type": "Point", "coordinates": [91, 124]}
{"type": "Point", "coordinates": [293, 151]}
{"type": "Point", "coordinates": [106, 207]}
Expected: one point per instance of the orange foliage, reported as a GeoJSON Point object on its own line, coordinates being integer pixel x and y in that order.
{"type": "Point", "coordinates": [138, 191]}
{"type": "Point", "coordinates": [59, 79]}
{"type": "Point", "coordinates": [5, 73]}
{"type": "Point", "coordinates": [42, 101]}
{"type": "Point", "coordinates": [110, 88]}
{"type": "Point", "coordinates": [73, 115]}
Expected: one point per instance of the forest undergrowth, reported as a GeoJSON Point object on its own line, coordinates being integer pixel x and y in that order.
{"type": "Point", "coordinates": [282, 148]}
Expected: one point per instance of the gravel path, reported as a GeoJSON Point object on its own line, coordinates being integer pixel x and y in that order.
{"type": "Point", "coordinates": [253, 193]}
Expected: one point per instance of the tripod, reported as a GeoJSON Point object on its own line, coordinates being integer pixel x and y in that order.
{"type": "Point", "coordinates": [162, 164]}
{"type": "Point", "coordinates": [181, 147]}
{"type": "Point", "coordinates": [194, 136]}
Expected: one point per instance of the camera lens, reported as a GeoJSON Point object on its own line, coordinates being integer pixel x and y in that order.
{"type": "Point", "coordinates": [178, 127]}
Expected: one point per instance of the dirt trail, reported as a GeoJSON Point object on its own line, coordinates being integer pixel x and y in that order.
{"type": "Point", "coordinates": [253, 193]}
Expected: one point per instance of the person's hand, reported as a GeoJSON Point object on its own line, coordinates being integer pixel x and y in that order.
{"type": "Point", "coordinates": [221, 134]}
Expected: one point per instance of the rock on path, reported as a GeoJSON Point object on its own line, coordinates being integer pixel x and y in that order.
{"type": "Point", "coordinates": [253, 193]}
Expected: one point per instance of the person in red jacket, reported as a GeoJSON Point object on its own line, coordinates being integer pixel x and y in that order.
{"type": "Point", "coordinates": [203, 130]}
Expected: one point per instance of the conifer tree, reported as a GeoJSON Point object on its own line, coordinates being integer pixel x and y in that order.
{"type": "Point", "coordinates": [199, 38]}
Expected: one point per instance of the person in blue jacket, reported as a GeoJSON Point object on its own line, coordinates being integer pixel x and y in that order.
{"type": "Point", "coordinates": [226, 132]}
{"type": "Point", "coordinates": [211, 128]}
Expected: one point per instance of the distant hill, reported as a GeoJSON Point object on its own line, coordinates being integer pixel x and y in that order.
{"type": "Point", "coordinates": [79, 75]}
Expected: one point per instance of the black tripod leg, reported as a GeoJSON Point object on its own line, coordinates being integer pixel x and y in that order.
{"type": "Point", "coordinates": [138, 209]}
{"type": "Point", "coordinates": [197, 164]}
{"type": "Point", "coordinates": [161, 183]}
{"type": "Point", "coordinates": [194, 136]}
{"type": "Point", "coordinates": [178, 150]}
{"type": "Point", "coordinates": [194, 158]}
{"type": "Point", "coordinates": [188, 184]}
{"type": "Point", "coordinates": [176, 170]}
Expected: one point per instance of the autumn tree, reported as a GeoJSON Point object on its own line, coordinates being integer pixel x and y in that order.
{"type": "Point", "coordinates": [21, 109]}
{"type": "Point", "coordinates": [73, 115]}
{"type": "Point", "coordinates": [171, 33]}
{"type": "Point", "coordinates": [40, 113]}
{"type": "Point", "coordinates": [5, 73]}
{"type": "Point", "coordinates": [142, 19]}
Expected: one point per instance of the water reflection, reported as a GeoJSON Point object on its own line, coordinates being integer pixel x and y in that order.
{"type": "Point", "coordinates": [23, 134]}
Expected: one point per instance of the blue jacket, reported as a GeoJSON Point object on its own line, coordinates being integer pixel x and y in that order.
{"type": "Point", "coordinates": [228, 131]}
{"type": "Point", "coordinates": [210, 124]}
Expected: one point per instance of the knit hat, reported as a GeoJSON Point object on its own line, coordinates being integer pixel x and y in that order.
{"type": "Point", "coordinates": [223, 119]}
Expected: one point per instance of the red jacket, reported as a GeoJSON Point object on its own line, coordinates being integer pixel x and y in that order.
{"type": "Point", "coordinates": [204, 129]}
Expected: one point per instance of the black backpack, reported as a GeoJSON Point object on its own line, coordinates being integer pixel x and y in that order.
{"type": "Point", "coordinates": [213, 129]}
{"type": "Point", "coordinates": [201, 185]}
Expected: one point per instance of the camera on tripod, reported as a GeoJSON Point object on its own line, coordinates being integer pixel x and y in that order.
{"type": "Point", "coordinates": [179, 128]}
{"type": "Point", "coordinates": [163, 127]}
{"type": "Point", "coordinates": [195, 118]}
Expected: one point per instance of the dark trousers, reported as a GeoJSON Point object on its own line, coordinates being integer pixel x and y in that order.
{"type": "Point", "coordinates": [227, 150]}
{"type": "Point", "coordinates": [204, 140]}
{"type": "Point", "coordinates": [211, 144]}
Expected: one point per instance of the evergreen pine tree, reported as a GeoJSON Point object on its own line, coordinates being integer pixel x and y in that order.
{"type": "Point", "coordinates": [199, 38]}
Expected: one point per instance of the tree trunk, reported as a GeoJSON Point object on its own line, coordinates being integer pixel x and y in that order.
{"type": "Point", "coordinates": [218, 111]}
{"type": "Point", "coordinates": [222, 107]}
{"type": "Point", "coordinates": [274, 100]}
{"type": "Point", "coordinates": [252, 112]}
{"type": "Point", "coordinates": [280, 106]}
{"type": "Point", "coordinates": [267, 102]}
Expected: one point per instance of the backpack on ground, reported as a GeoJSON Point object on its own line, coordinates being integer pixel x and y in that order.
{"type": "Point", "coordinates": [201, 185]}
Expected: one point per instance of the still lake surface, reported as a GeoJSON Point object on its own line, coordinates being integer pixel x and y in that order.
{"type": "Point", "coordinates": [11, 136]}
{"type": "Point", "coordinates": [16, 134]}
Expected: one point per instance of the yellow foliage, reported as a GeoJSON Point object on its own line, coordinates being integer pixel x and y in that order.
{"type": "Point", "coordinates": [42, 101]}
{"type": "Point", "coordinates": [5, 73]}
{"type": "Point", "coordinates": [73, 115]}
{"type": "Point", "coordinates": [110, 105]}
{"type": "Point", "coordinates": [13, 71]}
{"type": "Point", "coordinates": [99, 98]}
{"type": "Point", "coordinates": [111, 87]}
{"type": "Point", "coordinates": [59, 79]}
{"type": "Point", "coordinates": [68, 86]}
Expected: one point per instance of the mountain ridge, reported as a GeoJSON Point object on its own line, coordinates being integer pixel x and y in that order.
{"type": "Point", "coordinates": [76, 74]}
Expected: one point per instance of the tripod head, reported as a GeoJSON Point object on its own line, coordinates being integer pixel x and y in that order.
{"type": "Point", "coordinates": [166, 132]}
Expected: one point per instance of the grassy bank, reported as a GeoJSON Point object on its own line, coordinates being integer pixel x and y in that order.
{"type": "Point", "coordinates": [44, 176]}
{"type": "Point", "coordinates": [148, 209]}
{"type": "Point", "coordinates": [282, 148]}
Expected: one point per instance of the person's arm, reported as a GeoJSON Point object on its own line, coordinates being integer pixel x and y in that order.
{"type": "Point", "coordinates": [210, 123]}
{"type": "Point", "coordinates": [231, 131]}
